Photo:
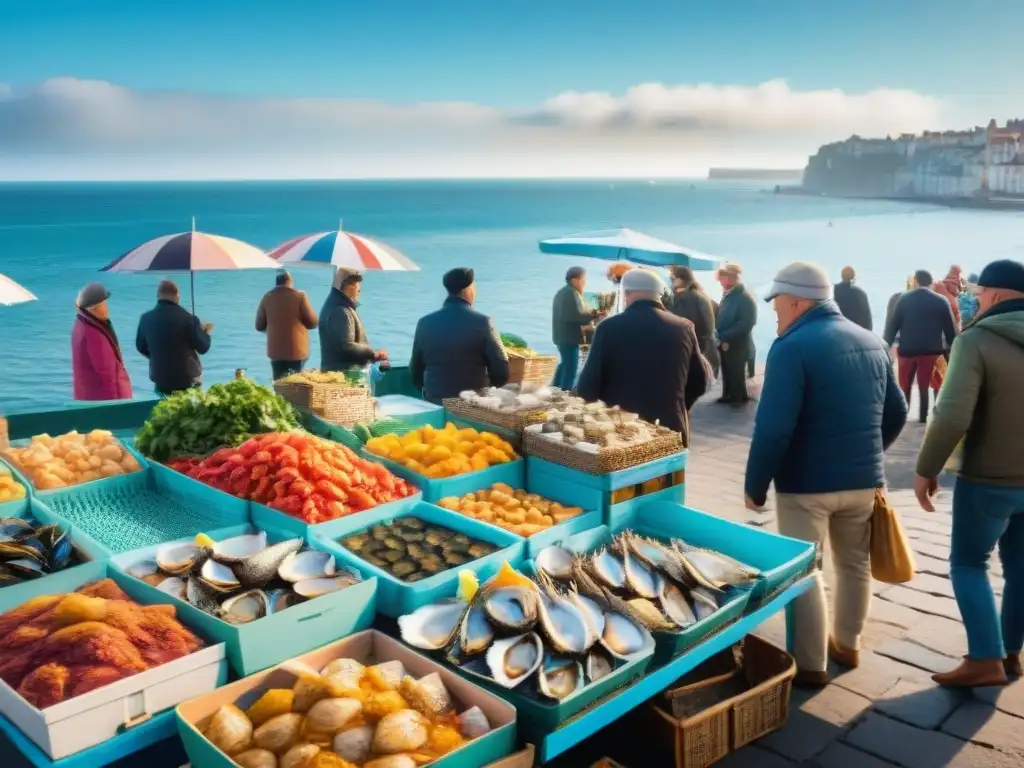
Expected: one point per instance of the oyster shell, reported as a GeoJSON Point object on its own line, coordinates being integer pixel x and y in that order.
{"type": "Point", "coordinates": [180, 558]}
{"type": "Point", "coordinates": [142, 570]}
{"type": "Point", "coordinates": [607, 570]}
{"type": "Point", "coordinates": [639, 579]}
{"type": "Point", "coordinates": [245, 607]}
{"type": "Point", "coordinates": [512, 608]}
{"type": "Point", "coordinates": [704, 603]}
{"type": "Point", "coordinates": [712, 569]}
{"type": "Point", "coordinates": [674, 604]}
{"type": "Point", "coordinates": [238, 548]}
{"type": "Point", "coordinates": [311, 588]}
{"type": "Point", "coordinates": [473, 723]}
{"type": "Point", "coordinates": [354, 744]}
{"type": "Point", "coordinates": [257, 570]}
{"type": "Point", "coordinates": [427, 695]}
{"type": "Point", "coordinates": [307, 564]}
{"type": "Point", "coordinates": [559, 677]}
{"type": "Point", "coordinates": [328, 716]}
{"type": "Point", "coordinates": [555, 561]}
{"type": "Point", "coordinates": [256, 758]}
{"type": "Point", "coordinates": [564, 626]}
{"type": "Point", "coordinates": [592, 614]}
{"type": "Point", "coordinates": [432, 627]}
{"type": "Point", "coordinates": [598, 664]}
{"type": "Point", "coordinates": [403, 731]}
{"type": "Point", "coordinates": [513, 659]}
{"type": "Point", "coordinates": [278, 734]}
{"type": "Point", "coordinates": [230, 730]}
{"type": "Point", "coordinates": [623, 637]}
{"type": "Point", "coordinates": [218, 577]}
{"type": "Point", "coordinates": [475, 632]}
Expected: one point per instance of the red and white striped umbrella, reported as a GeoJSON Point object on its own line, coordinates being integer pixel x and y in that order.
{"type": "Point", "coordinates": [11, 293]}
{"type": "Point", "coordinates": [341, 249]}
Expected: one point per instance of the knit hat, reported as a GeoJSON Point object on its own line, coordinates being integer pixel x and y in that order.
{"type": "Point", "coordinates": [1005, 274]}
{"type": "Point", "coordinates": [642, 281]}
{"type": "Point", "coordinates": [91, 295]}
{"type": "Point", "coordinates": [801, 280]}
{"type": "Point", "coordinates": [457, 280]}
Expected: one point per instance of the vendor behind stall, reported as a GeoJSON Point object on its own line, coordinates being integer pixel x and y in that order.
{"type": "Point", "coordinates": [570, 316]}
{"type": "Point", "coordinates": [646, 360]}
{"type": "Point", "coordinates": [457, 348]}
{"type": "Point", "coordinates": [343, 342]}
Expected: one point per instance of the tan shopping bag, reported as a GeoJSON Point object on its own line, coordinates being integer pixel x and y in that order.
{"type": "Point", "coordinates": [892, 560]}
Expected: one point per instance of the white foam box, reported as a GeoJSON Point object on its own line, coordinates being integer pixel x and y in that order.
{"type": "Point", "coordinates": [368, 647]}
{"type": "Point", "coordinates": [90, 719]}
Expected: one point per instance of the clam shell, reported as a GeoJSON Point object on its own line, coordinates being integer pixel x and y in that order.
{"type": "Point", "coordinates": [513, 609]}
{"type": "Point", "coordinates": [432, 627]}
{"type": "Point", "coordinates": [559, 678]}
{"type": "Point", "coordinates": [238, 548]}
{"type": "Point", "coordinates": [311, 588]}
{"type": "Point", "coordinates": [257, 570]}
{"type": "Point", "coordinates": [307, 564]}
{"type": "Point", "coordinates": [219, 577]}
{"type": "Point", "coordinates": [555, 561]}
{"type": "Point", "coordinates": [354, 744]}
{"type": "Point", "coordinates": [513, 659]}
{"type": "Point", "coordinates": [174, 585]}
{"type": "Point", "coordinates": [401, 731]}
{"type": "Point", "coordinates": [177, 559]}
{"type": "Point", "coordinates": [473, 723]}
{"type": "Point", "coordinates": [245, 607]}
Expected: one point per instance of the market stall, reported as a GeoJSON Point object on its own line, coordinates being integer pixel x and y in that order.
{"type": "Point", "coordinates": [474, 545]}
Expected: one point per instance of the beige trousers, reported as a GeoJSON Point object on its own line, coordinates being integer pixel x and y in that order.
{"type": "Point", "coordinates": [844, 518]}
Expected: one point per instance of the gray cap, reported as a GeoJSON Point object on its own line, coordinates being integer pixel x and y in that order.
{"type": "Point", "coordinates": [91, 295]}
{"type": "Point", "coordinates": [801, 280]}
{"type": "Point", "coordinates": [642, 281]}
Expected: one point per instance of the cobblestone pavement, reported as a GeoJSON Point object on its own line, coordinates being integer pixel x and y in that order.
{"type": "Point", "coordinates": [888, 711]}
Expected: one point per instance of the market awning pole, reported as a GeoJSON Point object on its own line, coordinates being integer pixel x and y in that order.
{"type": "Point", "coordinates": [192, 288]}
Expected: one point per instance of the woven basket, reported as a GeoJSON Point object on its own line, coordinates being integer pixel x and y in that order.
{"type": "Point", "coordinates": [540, 369]}
{"type": "Point", "coordinates": [604, 461]}
{"type": "Point", "coordinates": [515, 421]}
{"type": "Point", "coordinates": [348, 406]}
{"type": "Point", "coordinates": [5, 442]}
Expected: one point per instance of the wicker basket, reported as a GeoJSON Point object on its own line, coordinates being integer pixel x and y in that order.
{"type": "Point", "coordinates": [704, 738]}
{"type": "Point", "coordinates": [348, 406]}
{"type": "Point", "coordinates": [515, 421]}
{"type": "Point", "coordinates": [540, 369]}
{"type": "Point", "coordinates": [5, 442]}
{"type": "Point", "coordinates": [605, 461]}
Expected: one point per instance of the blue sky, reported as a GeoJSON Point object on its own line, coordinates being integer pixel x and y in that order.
{"type": "Point", "coordinates": [510, 57]}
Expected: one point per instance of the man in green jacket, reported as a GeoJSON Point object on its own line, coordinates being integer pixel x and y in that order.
{"type": "Point", "coordinates": [981, 405]}
{"type": "Point", "coordinates": [569, 316]}
{"type": "Point", "coordinates": [737, 315]}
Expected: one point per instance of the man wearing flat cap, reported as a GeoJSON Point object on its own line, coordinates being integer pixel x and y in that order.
{"type": "Point", "coordinates": [457, 348]}
{"type": "Point", "coordinates": [830, 407]}
{"type": "Point", "coordinates": [570, 315]}
{"type": "Point", "coordinates": [646, 360]}
{"type": "Point", "coordinates": [979, 423]}
{"type": "Point", "coordinates": [737, 315]}
{"type": "Point", "coordinates": [344, 345]}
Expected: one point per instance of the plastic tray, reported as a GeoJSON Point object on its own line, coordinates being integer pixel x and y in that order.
{"type": "Point", "coordinates": [613, 480]}
{"type": "Point", "coordinates": [142, 509]}
{"type": "Point", "coordinates": [268, 641]}
{"type": "Point", "coordinates": [270, 518]}
{"type": "Point", "coordinates": [127, 445]}
{"type": "Point", "coordinates": [18, 507]}
{"type": "Point", "coordinates": [410, 410]}
{"type": "Point", "coordinates": [188, 487]}
{"type": "Point", "coordinates": [512, 473]}
{"type": "Point", "coordinates": [395, 597]}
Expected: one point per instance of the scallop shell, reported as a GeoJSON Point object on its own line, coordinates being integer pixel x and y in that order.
{"type": "Point", "coordinates": [513, 608]}
{"type": "Point", "coordinates": [513, 659]}
{"type": "Point", "coordinates": [403, 731]}
{"type": "Point", "coordinates": [432, 627]}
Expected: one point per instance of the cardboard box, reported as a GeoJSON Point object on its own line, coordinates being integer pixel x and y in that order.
{"type": "Point", "coordinates": [370, 647]}
{"type": "Point", "coordinates": [85, 721]}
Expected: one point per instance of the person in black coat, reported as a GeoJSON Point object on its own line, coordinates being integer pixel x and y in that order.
{"type": "Point", "coordinates": [343, 341]}
{"type": "Point", "coordinates": [646, 360]}
{"type": "Point", "coordinates": [852, 300]}
{"type": "Point", "coordinates": [692, 303]}
{"type": "Point", "coordinates": [457, 348]}
{"type": "Point", "coordinates": [172, 339]}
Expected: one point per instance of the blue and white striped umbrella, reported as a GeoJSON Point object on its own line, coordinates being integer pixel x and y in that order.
{"type": "Point", "coordinates": [629, 245]}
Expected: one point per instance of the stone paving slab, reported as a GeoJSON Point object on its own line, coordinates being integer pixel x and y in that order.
{"type": "Point", "coordinates": [923, 602]}
{"type": "Point", "coordinates": [816, 723]}
{"type": "Point", "coordinates": [909, 652]}
{"type": "Point", "coordinates": [987, 726]}
{"type": "Point", "coordinates": [918, 703]}
{"type": "Point", "coordinates": [1009, 699]}
{"type": "Point", "coordinates": [839, 755]}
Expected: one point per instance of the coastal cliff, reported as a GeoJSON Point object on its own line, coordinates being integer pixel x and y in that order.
{"type": "Point", "coordinates": [982, 164]}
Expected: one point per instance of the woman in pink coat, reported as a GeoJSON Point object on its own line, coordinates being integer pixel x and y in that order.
{"type": "Point", "coordinates": [98, 369]}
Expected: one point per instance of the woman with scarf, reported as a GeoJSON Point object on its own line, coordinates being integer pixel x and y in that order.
{"type": "Point", "coordinates": [96, 362]}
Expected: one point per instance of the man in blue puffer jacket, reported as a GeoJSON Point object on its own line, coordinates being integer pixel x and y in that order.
{"type": "Point", "coordinates": [829, 408]}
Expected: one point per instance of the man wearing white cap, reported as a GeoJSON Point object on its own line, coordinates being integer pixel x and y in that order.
{"type": "Point", "coordinates": [829, 408]}
{"type": "Point", "coordinates": [646, 360]}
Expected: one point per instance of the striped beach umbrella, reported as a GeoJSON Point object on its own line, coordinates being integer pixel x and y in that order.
{"type": "Point", "coordinates": [191, 252]}
{"type": "Point", "coordinates": [341, 249]}
{"type": "Point", "coordinates": [11, 293]}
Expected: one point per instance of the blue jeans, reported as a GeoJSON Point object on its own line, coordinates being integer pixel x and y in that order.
{"type": "Point", "coordinates": [985, 515]}
{"type": "Point", "coordinates": [565, 373]}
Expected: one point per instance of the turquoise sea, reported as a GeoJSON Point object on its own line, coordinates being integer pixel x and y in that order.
{"type": "Point", "coordinates": [55, 237]}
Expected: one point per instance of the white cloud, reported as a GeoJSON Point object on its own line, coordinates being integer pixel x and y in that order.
{"type": "Point", "coordinates": [77, 125]}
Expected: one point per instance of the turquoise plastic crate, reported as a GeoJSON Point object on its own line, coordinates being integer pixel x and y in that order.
{"type": "Point", "coordinates": [612, 481]}
{"type": "Point", "coordinates": [616, 515]}
{"type": "Point", "coordinates": [160, 727]}
{"type": "Point", "coordinates": [102, 482]}
{"type": "Point", "coordinates": [410, 410]}
{"type": "Point", "coordinates": [268, 517]}
{"type": "Point", "coordinates": [268, 641]}
{"type": "Point", "coordinates": [782, 560]}
{"type": "Point", "coordinates": [19, 507]}
{"type": "Point", "coordinates": [397, 598]}
{"type": "Point", "coordinates": [190, 488]}
{"type": "Point", "coordinates": [138, 510]}
{"type": "Point", "coordinates": [512, 473]}
{"type": "Point", "coordinates": [16, 594]}
{"type": "Point", "coordinates": [568, 495]}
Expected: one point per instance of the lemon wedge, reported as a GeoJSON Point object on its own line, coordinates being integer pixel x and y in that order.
{"type": "Point", "coordinates": [468, 586]}
{"type": "Point", "coordinates": [204, 541]}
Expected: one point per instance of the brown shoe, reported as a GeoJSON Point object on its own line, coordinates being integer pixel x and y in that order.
{"type": "Point", "coordinates": [844, 657]}
{"type": "Point", "coordinates": [808, 679]}
{"type": "Point", "coordinates": [974, 673]}
{"type": "Point", "coordinates": [1012, 665]}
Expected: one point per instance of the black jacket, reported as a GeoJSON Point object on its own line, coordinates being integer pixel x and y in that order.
{"type": "Point", "coordinates": [923, 320]}
{"type": "Point", "coordinates": [694, 305]}
{"type": "Point", "coordinates": [646, 360]}
{"type": "Point", "coordinates": [172, 338]}
{"type": "Point", "coordinates": [853, 303]}
{"type": "Point", "coordinates": [456, 348]}
{"type": "Point", "coordinates": [343, 343]}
